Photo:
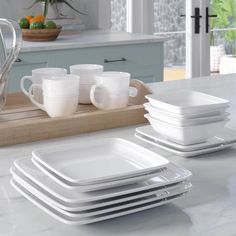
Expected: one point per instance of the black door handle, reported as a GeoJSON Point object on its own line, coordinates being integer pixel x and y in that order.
{"type": "Point", "coordinates": [197, 18]}
{"type": "Point", "coordinates": [207, 19]}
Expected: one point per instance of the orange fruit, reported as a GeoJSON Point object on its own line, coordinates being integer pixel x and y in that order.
{"type": "Point", "coordinates": [38, 18]}
{"type": "Point", "coordinates": [29, 18]}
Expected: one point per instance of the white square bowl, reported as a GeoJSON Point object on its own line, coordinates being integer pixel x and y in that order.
{"type": "Point", "coordinates": [187, 102]}
{"type": "Point", "coordinates": [181, 121]}
{"type": "Point", "coordinates": [193, 115]}
{"type": "Point", "coordinates": [186, 135]}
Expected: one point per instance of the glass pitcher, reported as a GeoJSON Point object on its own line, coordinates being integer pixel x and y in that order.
{"type": "Point", "coordinates": [8, 54]}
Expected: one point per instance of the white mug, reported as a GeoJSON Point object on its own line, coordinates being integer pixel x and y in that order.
{"type": "Point", "coordinates": [60, 95]}
{"type": "Point", "coordinates": [86, 73]}
{"type": "Point", "coordinates": [111, 90]}
{"type": "Point", "coordinates": [36, 78]}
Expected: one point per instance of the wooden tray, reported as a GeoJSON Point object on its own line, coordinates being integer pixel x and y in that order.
{"type": "Point", "coordinates": [21, 122]}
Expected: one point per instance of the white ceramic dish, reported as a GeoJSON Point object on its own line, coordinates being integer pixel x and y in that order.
{"type": "Point", "coordinates": [154, 113]}
{"type": "Point", "coordinates": [186, 135]}
{"type": "Point", "coordinates": [68, 220]}
{"type": "Point", "coordinates": [227, 136]}
{"type": "Point", "coordinates": [99, 161]}
{"type": "Point", "coordinates": [109, 202]}
{"type": "Point", "coordinates": [193, 115]}
{"type": "Point", "coordinates": [166, 192]}
{"type": "Point", "coordinates": [74, 198]}
{"type": "Point", "coordinates": [187, 102]}
{"type": "Point", "coordinates": [185, 154]}
{"type": "Point", "coordinates": [95, 187]}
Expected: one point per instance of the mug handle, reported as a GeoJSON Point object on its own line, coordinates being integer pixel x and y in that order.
{"type": "Point", "coordinates": [22, 82]}
{"type": "Point", "coordinates": [141, 91]}
{"type": "Point", "coordinates": [41, 106]}
{"type": "Point", "coordinates": [92, 96]}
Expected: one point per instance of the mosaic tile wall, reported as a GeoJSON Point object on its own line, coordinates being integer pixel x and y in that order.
{"type": "Point", "coordinates": [167, 19]}
{"type": "Point", "coordinates": [118, 13]}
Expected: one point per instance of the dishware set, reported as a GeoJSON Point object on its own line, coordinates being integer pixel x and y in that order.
{"type": "Point", "coordinates": [187, 123]}
{"type": "Point", "coordinates": [105, 90]}
{"type": "Point", "coordinates": [82, 184]}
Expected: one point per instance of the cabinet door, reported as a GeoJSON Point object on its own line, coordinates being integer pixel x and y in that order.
{"type": "Point", "coordinates": [143, 61]}
{"type": "Point", "coordinates": [20, 69]}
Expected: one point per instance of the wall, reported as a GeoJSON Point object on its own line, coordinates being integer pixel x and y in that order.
{"type": "Point", "coordinates": [14, 9]}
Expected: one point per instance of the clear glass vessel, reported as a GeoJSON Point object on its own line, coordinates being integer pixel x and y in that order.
{"type": "Point", "coordinates": [8, 54]}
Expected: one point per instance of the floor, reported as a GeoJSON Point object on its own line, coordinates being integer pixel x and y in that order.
{"type": "Point", "coordinates": [174, 73]}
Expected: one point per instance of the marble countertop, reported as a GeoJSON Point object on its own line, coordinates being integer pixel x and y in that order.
{"type": "Point", "coordinates": [90, 38]}
{"type": "Point", "coordinates": [209, 209]}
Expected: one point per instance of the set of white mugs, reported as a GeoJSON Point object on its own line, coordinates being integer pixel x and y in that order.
{"type": "Point", "coordinates": [58, 93]}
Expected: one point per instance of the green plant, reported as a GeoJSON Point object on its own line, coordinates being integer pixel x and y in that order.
{"type": "Point", "coordinates": [55, 2]}
{"type": "Point", "coordinates": [226, 18]}
{"type": "Point", "coordinates": [221, 21]}
{"type": "Point", "coordinates": [230, 35]}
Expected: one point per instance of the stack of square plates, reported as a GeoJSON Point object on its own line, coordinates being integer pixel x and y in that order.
{"type": "Point", "coordinates": [82, 184]}
{"type": "Point", "coordinates": [223, 140]}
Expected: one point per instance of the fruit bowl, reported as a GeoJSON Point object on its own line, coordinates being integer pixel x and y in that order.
{"type": "Point", "coordinates": [41, 35]}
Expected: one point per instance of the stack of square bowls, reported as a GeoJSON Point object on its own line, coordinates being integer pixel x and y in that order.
{"type": "Point", "coordinates": [186, 117]}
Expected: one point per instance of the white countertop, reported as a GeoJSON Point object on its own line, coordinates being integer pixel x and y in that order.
{"type": "Point", "coordinates": [90, 38]}
{"type": "Point", "coordinates": [209, 210]}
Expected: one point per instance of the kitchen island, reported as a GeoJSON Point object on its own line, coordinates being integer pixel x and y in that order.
{"type": "Point", "coordinates": [141, 55]}
{"type": "Point", "coordinates": [209, 209]}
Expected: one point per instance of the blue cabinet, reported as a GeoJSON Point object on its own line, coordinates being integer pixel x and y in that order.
{"type": "Point", "coordinates": [144, 61]}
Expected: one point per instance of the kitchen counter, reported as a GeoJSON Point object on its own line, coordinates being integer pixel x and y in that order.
{"type": "Point", "coordinates": [90, 38]}
{"type": "Point", "coordinates": [209, 209]}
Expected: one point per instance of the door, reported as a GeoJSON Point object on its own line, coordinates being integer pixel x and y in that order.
{"type": "Point", "coordinates": [197, 38]}
{"type": "Point", "coordinates": [190, 28]}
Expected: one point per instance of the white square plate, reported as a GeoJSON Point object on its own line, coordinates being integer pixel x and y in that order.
{"type": "Point", "coordinates": [187, 102]}
{"type": "Point", "coordinates": [74, 213]}
{"type": "Point", "coordinates": [95, 187]}
{"type": "Point", "coordinates": [99, 161]}
{"type": "Point", "coordinates": [73, 200]}
{"type": "Point", "coordinates": [71, 221]}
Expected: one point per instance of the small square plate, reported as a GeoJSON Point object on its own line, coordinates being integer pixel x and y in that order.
{"type": "Point", "coordinates": [99, 161]}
